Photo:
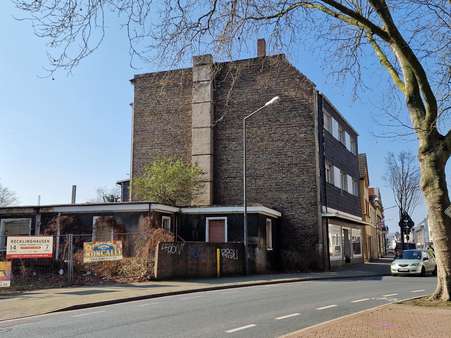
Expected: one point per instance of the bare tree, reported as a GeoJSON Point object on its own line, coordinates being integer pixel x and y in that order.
{"type": "Point", "coordinates": [7, 197]}
{"type": "Point", "coordinates": [409, 38]}
{"type": "Point", "coordinates": [403, 176]}
{"type": "Point", "coordinates": [106, 195]}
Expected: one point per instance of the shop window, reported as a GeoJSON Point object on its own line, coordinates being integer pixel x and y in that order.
{"type": "Point", "coordinates": [268, 234]}
{"type": "Point", "coordinates": [166, 223]}
{"type": "Point", "coordinates": [356, 243]}
{"type": "Point", "coordinates": [335, 242]}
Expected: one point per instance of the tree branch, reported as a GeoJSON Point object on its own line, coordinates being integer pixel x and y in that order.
{"type": "Point", "coordinates": [386, 63]}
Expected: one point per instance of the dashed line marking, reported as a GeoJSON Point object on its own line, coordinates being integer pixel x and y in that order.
{"type": "Point", "coordinates": [241, 328]}
{"type": "Point", "coordinates": [391, 294]}
{"type": "Point", "coordinates": [360, 300]}
{"type": "Point", "coordinates": [87, 314]}
{"type": "Point", "coordinates": [327, 307]}
{"type": "Point", "coordinates": [420, 290]}
{"type": "Point", "coordinates": [287, 316]}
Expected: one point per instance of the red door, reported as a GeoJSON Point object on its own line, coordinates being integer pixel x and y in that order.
{"type": "Point", "coordinates": [216, 231]}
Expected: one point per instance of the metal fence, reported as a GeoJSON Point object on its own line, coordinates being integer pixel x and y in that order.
{"type": "Point", "coordinates": [68, 266]}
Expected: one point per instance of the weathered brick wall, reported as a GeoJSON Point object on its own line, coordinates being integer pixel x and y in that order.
{"type": "Point", "coordinates": [281, 150]}
{"type": "Point", "coordinates": [162, 117]}
{"type": "Point", "coordinates": [197, 259]}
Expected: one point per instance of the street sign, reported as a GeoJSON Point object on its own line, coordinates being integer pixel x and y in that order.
{"type": "Point", "coordinates": [448, 211]}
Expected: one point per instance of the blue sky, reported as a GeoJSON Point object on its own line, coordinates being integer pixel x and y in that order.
{"type": "Point", "coordinates": [75, 129]}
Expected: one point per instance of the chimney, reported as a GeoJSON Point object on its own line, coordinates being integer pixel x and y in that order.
{"type": "Point", "coordinates": [261, 48]}
{"type": "Point", "coordinates": [74, 194]}
{"type": "Point", "coordinates": [201, 128]}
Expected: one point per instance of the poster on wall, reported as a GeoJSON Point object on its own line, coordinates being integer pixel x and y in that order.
{"type": "Point", "coordinates": [5, 274]}
{"type": "Point", "coordinates": [29, 247]}
{"type": "Point", "coordinates": [102, 251]}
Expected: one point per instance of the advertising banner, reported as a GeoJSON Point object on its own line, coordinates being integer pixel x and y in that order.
{"type": "Point", "coordinates": [29, 247]}
{"type": "Point", "coordinates": [5, 274]}
{"type": "Point", "coordinates": [102, 251]}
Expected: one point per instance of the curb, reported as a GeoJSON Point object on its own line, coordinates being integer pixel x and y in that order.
{"type": "Point", "coordinates": [213, 288]}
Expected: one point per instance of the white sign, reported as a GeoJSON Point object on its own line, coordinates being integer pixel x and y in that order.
{"type": "Point", "coordinates": [29, 247]}
{"type": "Point", "coordinates": [448, 211]}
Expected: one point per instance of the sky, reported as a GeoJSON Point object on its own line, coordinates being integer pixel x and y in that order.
{"type": "Point", "coordinates": [76, 128]}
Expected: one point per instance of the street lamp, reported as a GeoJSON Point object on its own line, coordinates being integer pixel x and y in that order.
{"type": "Point", "coordinates": [246, 261]}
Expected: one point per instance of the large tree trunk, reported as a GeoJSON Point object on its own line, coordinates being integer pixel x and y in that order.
{"type": "Point", "coordinates": [433, 156]}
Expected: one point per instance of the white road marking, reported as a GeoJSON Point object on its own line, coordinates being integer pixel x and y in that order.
{"type": "Point", "coordinates": [420, 290]}
{"type": "Point", "coordinates": [287, 316]}
{"type": "Point", "coordinates": [147, 304]}
{"type": "Point", "coordinates": [241, 328]}
{"type": "Point", "coordinates": [391, 294]}
{"type": "Point", "coordinates": [360, 300]}
{"type": "Point", "coordinates": [326, 307]}
{"type": "Point", "coordinates": [87, 314]}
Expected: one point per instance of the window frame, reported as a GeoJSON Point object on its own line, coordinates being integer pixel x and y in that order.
{"type": "Point", "coordinates": [344, 180]}
{"type": "Point", "coordinates": [166, 218]}
{"type": "Point", "coordinates": [327, 121]}
{"type": "Point", "coordinates": [269, 242]}
{"type": "Point", "coordinates": [328, 172]}
{"type": "Point", "coordinates": [208, 219]}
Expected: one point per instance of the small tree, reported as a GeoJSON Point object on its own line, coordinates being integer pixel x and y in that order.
{"type": "Point", "coordinates": [7, 197]}
{"type": "Point", "coordinates": [169, 181]}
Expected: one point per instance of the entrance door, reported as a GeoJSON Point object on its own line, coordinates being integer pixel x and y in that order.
{"type": "Point", "coordinates": [347, 246]}
{"type": "Point", "coordinates": [216, 230]}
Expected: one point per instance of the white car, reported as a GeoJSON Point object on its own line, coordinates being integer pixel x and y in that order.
{"type": "Point", "coordinates": [417, 262]}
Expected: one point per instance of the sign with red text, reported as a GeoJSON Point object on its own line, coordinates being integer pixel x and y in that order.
{"type": "Point", "coordinates": [29, 247]}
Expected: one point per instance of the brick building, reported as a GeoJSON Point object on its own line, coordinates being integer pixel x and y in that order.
{"type": "Point", "coordinates": [301, 153]}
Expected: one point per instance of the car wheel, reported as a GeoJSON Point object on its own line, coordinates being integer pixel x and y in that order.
{"type": "Point", "coordinates": [423, 271]}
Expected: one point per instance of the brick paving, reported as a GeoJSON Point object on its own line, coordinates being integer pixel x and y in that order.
{"type": "Point", "coordinates": [393, 321]}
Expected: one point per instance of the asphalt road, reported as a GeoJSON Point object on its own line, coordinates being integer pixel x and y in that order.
{"type": "Point", "coordinates": [260, 311]}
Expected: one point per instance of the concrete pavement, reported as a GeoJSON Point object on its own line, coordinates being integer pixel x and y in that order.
{"type": "Point", "coordinates": [31, 303]}
{"type": "Point", "coordinates": [259, 311]}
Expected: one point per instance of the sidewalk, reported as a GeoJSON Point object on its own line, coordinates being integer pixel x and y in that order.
{"type": "Point", "coordinates": [30, 303]}
{"type": "Point", "coordinates": [394, 320]}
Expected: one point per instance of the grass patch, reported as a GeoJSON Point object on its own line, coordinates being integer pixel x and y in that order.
{"type": "Point", "coordinates": [425, 301]}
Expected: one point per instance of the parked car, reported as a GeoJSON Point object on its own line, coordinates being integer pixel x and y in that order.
{"type": "Point", "coordinates": [407, 246]}
{"type": "Point", "coordinates": [417, 262]}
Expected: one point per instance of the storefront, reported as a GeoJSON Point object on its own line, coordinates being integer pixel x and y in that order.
{"type": "Point", "coordinates": [345, 240]}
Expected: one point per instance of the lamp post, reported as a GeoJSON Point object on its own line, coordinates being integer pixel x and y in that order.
{"type": "Point", "coordinates": [246, 258]}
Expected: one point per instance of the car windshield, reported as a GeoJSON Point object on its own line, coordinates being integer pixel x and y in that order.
{"type": "Point", "coordinates": [411, 254]}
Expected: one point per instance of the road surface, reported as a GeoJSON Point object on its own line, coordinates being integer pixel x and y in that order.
{"type": "Point", "coordinates": [259, 311]}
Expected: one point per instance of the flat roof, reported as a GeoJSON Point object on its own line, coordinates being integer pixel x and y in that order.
{"type": "Point", "coordinates": [141, 206]}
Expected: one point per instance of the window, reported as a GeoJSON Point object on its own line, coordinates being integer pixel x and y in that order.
{"type": "Point", "coordinates": [341, 135]}
{"type": "Point", "coordinates": [268, 234]}
{"type": "Point", "coordinates": [335, 242]}
{"type": "Point", "coordinates": [353, 146]}
{"type": "Point", "coordinates": [166, 223]}
{"type": "Point", "coordinates": [335, 128]}
{"type": "Point", "coordinates": [337, 177]}
{"type": "Point", "coordinates": [216, 230]}
{"type": "Point", "coordinates": [350, 185]}
{"type": "Point", "coordinates": [356, 244]}
{"type": "Point", "coordinates": [344, 180]}
{"type": "Point", "coordinates": [329, 173]}
{"type": "Point", "coordinates": [348, 141]}
{"type": "Point", "coordinates": [355, 187]}
{"type": "Point", "coordinates": [327, 122]}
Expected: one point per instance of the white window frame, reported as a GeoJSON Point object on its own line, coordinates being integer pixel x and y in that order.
{"type": "Point", "coordinates": [343, 176]}
{"type": "Point", "coordinates": [329, 172]}
{"type": "Point", "coordinates": [347, 141]}
{"type": "Point", "coordinates": [269, 246]}
{"type": "Point", "coordinates": [327, 121]}
{"type": "Point", "coordinates": [355, 187]}
{"type": "Point", "coordinates": [350, 188]}
{"type": "Point", "coordinates": [208, 219]}
{"type": "Point", "coordinates": [337, 177]}
{"type": "Point", "coordinates": [335, 129]}
{"type": "Point", "coordinates": [167, 218]}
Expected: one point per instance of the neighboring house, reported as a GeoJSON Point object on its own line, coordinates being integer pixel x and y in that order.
{"type": "Point", "coordinates": [421, 234]}
{"type": "Point", "coordinates": [371, 241]}
{"type": "Point", "coordinates": [301, 153]}
{"type": "Point", "coordinates": [377, 218]}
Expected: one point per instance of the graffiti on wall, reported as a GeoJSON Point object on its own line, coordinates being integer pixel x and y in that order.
{"type": "Point", "coordinates": [172, 248]}
{"type": "Point", "coordinates": [229, 253]}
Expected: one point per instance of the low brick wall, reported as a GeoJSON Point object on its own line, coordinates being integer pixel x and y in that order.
{"type": "Point", "coordinates": [197, 259]}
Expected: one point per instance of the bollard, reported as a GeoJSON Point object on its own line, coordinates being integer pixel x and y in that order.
{"type": "Point", "coordinates": [218, 263]}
